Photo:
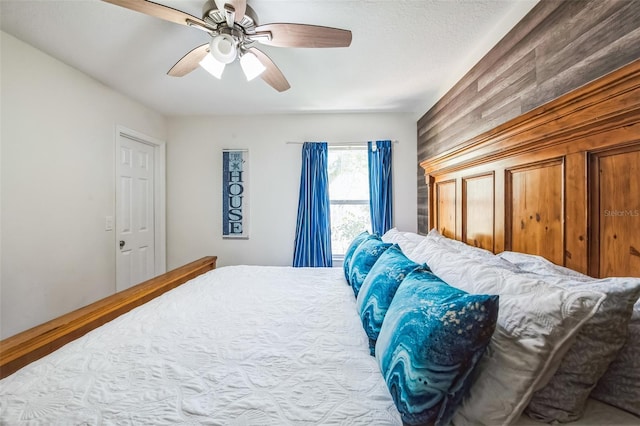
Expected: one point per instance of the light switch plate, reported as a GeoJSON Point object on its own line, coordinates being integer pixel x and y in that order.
{"type": "Point", "coordinates": [108, 223]}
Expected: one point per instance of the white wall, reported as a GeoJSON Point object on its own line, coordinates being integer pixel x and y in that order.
{"type": "Point", "coordinates": [57, 129]}
{"type": "Point", "coordinates": [194, 160]}
{"type": "Point", "coordinates": [57, 184]}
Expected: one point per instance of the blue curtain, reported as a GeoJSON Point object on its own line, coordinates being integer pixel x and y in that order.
{"type": "Point", "coordinates": [380, 186]}
{"type": "Point", "coordinates": [313, 229]}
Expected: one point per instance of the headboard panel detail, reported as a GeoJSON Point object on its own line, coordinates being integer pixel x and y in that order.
{"type": "Point", "coordinates": [446, 195]}
{"type": "Point", "coordinates": [562, 181]}
{"type": "Point", "coordinates": [615, 211]}
{"type": "Point", "coordinates": [534, 206]}
{"type": "Point", "coordinates": [478, 196]}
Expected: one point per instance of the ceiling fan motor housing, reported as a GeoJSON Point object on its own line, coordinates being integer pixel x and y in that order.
{"type": "Point", "coordinates": [216, 17]}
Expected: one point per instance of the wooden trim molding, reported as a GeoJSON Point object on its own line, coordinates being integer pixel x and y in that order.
{"type": "Point", "coordinates": [610, 102]}
{"type": "Point", "coordinates": [30, 345]}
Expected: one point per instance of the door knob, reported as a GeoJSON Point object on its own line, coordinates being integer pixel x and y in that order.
{"type": "Point", "coordinates": [121, 243]}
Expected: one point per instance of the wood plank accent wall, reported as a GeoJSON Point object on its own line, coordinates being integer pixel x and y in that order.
{"type": "Point", "coordinates": [558, 47]}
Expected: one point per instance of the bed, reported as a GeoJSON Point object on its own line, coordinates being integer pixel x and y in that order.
{"type": "Point", "coordinates": [249, 345]}
{"type": "Point", "coordinates": [277, 345]}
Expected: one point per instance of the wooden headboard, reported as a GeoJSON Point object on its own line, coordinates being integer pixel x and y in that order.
{"type": "Point", "coordinates": [561, 181]}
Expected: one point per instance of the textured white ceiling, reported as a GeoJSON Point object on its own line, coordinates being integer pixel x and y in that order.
{"type": "Point", "coordinates": [404, 56]}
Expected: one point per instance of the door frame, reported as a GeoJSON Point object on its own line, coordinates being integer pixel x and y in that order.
{"type": "Point", "coordinates": [159, 194]}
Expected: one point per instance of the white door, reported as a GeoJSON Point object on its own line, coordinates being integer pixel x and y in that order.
{"type": "Point", "coordinates": [135, 259]}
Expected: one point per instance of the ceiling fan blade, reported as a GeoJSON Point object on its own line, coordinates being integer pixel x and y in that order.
{"type": "Point", "coordinates": [240, 7]}
{"type": "Point", "coordinates": [302, 35]}
{"type": "Point", "coordinates": [189, 62]}
{"type": "Point", "coordinates": [160, 11]}
{"type": "Point", "coordinates": [272, 75]}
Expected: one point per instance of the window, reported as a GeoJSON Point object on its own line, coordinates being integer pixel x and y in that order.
{"type": "Point", "coordinates": [349, 196]}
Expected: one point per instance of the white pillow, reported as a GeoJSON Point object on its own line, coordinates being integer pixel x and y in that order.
{"type": "Point", "coordinates": [408, 241]}
{"type": "Point", "coordinates": [596, 345]}
{"type": "Point", "coordinates": [539, 265]}
{"type": "Point", "coordinates": [537, 323]}
{"type": "Point", "coordinates": [420, 253]}
{"type": "Point", "coordinates": [391, 236]}
{"type": "Point", "coordinates": [466, 249]}
{"type": "Point", "coordinates": [620, 385]}
{"type": "Point", "coordinates": [413, 237]}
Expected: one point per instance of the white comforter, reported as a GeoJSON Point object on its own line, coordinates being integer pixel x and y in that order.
{"type": "Point", "coordinates": [240, 345]}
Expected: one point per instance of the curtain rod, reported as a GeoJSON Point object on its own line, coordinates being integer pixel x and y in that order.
{"type": "Point", "coordinates": [338, 143]}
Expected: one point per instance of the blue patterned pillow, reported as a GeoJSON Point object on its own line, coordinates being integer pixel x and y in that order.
{"type": "Point", "coordinates": [379, 287]}
{"type": "Point", "coordinates": [349, 253]}
{"type": "Point", "coordinates": [431, 340]}
{"type": "Point", "coordinates": [363, 259]}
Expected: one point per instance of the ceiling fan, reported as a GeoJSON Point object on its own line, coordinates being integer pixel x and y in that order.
{"type": "Point", "coordinates": [234, 32]}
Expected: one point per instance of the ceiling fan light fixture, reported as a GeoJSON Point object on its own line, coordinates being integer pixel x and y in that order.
{"type": "Point", "coordinates": [223, 48]}
{"type": "Point", "coordinates": [233, 29]}
{"type": "Point", "coordinates": [215, 68]}
{"type": "Point", "coordinates": [251, 66]}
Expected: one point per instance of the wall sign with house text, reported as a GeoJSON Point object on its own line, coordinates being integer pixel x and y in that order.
{"type": "Point", "coordinates": [235, 200]}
